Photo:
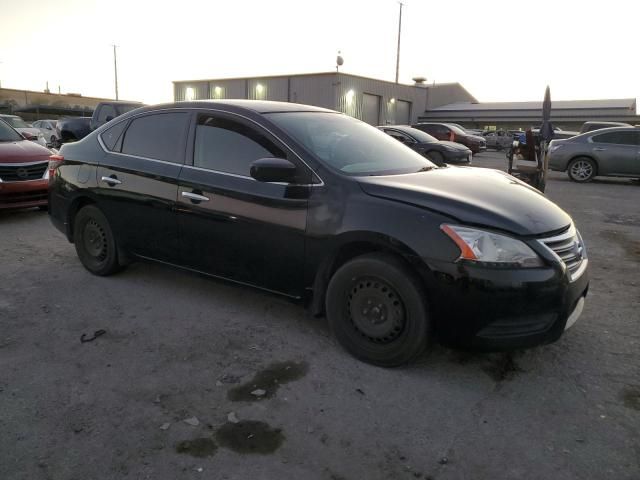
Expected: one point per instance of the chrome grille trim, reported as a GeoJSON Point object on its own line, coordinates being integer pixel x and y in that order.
{"type": "Point", "coordinates": [568, 248]}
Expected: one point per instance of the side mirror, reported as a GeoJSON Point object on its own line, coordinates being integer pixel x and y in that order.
{"type": "Point", "coordinates": [273, 170]}
{"type": "Point", "coordinates": [28, 136]}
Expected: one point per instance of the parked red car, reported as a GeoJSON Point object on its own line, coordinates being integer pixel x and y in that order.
{"type": "Point", "coordinates": [453, 133]}
{"type": "Point", "coordinates": [24, 176]}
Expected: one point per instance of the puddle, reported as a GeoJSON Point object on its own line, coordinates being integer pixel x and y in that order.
{"type": "Point", "coordinates": [199, 447]}
{"type": "Point", "coordinates": [249, 436]}
{"type": "Point", "coordinates": [631, 398]}
{"type": "Point", "coordinates": [268, 380]}
{"type": "Point", "coordinates": [502, 367]}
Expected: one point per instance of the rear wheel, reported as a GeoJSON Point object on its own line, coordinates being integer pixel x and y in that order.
{"type": "Point", "coordinates": [581, 169]}
{"type": "Point", "coordinates": [94, 242]}
{"type": "Point", "coordinates": [377, 310]}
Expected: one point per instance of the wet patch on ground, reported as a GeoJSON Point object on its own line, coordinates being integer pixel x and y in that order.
{"type": "Point", "coordinates": [631, 397]}
{"type": "Point", "coordinates": [502, 367]}
{"type": "Point", "coordinates": [249, 436]}
{"type": "Point", "coordinates": [268, 380]}
{"type": "Point", "coordinates": [198, 447]}
{"type": "Point", "coordinates": [631, 247]}
{"type": "Point", "coordinates": [618, 219]}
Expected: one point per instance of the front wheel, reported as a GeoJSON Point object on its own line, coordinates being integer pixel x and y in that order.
{"type": "Point", "coordinates": [581, 170]}
{"type": "Point", "coordinates": [436, 157]}
{"type": "Point", "coordinates": [94, 242]}
{"type": "Point", "coordinates": [376, 308]}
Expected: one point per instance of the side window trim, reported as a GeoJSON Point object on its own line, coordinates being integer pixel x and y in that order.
{"type": "Point", "coordinates": [182, 141]}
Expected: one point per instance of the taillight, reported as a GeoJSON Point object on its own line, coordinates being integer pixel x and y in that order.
{"type": "Point", "coordinates": [54, 162]}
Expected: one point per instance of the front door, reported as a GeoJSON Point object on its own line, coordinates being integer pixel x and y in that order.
{"type": "Point", "coordinates": [138, 182]}
{"type": "Point", "coordinates": [616, 152]}
{"type": "Point", "coordinates": [233, 226]}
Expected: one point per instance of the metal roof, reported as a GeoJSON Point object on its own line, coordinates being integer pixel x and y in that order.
{"type": "Point", "coordinates": [621, 103]}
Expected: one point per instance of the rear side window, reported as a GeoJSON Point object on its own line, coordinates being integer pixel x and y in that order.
{"type": "Point", "coordinates": [111, 136]}
{"type": "Point", "coordinates": [230, 147]}
{"type": "Point", "coordinates": [619, 138]}
{"type": "Point", "coordinates": [159, 136]}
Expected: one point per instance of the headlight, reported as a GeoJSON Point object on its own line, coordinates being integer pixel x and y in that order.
{"type": "Point", "coordinates": [491, 248]}
{"type": "Point", "coordinates": [554, 148]}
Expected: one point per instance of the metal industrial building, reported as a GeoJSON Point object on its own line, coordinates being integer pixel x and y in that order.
{"type": "Point", "coordinates": [32, 105]}
{"type": "Point", "coordinates": [379, 102]}
{"type": "Point", "coordinates": [569, 115]}
{"type": "Point", "coordinates": [376, 102]}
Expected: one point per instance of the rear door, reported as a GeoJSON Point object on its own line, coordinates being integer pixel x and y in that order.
{"type": "Point", "coordinates": [233, 226]}
{"type": "Point", "coordinates": [616, 152]}
{"type": "Point", "coordinates": [138, 181]}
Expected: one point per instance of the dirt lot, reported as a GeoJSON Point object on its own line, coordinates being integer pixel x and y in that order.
{"type": "Point", "coordinates": [179, 346]}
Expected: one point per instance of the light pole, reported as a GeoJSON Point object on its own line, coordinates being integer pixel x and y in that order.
{"type": "Point", "coordinates": [115, 68]}
{"type": "Point", "coordinates": [398, 52]}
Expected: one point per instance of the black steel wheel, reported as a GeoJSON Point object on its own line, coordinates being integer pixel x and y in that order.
{"type": "Point", "coordinates": [377, 310]}
{"type": "Point", "coordinates": [94, 242]}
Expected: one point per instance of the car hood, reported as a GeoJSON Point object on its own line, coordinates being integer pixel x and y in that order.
{"type": "Point", "coordinates": [454, 145]}
{"type": "Point", "coordinates": [473, 196]}
{"type": "Point", "coordinates": [22, 151]}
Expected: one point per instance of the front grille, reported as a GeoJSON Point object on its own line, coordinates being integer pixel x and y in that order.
{"type": "Point", "coordinates": [22, 172]}
{"type": "Point", "coordinates": [570, 250]}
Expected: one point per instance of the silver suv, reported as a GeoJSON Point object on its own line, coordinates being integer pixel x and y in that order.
{"type": "Point", "coordinates": [613, 152]}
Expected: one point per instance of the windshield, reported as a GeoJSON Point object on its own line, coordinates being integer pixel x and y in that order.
{"type": "Point", "coordinates": [456, 129]}
{"type": "Point", "coordinates": [420, 136]}
{"type": "Point", "coordinates": [15, 122]}
{"type": "Point", "coordinates": [8, 134]}
{"type": "Point", "coordinates": [348, 145]}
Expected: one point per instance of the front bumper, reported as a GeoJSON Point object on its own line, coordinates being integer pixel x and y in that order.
{"type": "Point", "coordinates": [501, 309]}
{"type": "Point", "coordinates": [25, 194]}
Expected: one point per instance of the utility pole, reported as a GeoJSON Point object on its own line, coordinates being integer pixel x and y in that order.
{"type": "Point", "coordinates": [399, 33]}
{"type": "Point", "coordinates": [115, 68]}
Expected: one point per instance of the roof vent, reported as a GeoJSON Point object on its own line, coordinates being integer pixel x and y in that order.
{"type": "Point", "coordinates": [419, 81]}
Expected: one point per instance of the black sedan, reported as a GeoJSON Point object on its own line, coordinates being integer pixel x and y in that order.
{"type": "Point", "coordinates": [439, 152]}
{"type": "Point", "coordinates": [318, 206]}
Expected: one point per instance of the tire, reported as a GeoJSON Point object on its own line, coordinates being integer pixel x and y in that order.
{"type": "Point", "coordinates": [436, 157]}
{"type": "Point", "coordinates": [581, 169]}
{"type": "Point", "coordinates": [94, 241]}
{"type": "Point", "coordinates": [377, 310]}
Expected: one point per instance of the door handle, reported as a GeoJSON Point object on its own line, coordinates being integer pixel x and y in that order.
{"type": "Point", "coordinates": [112, 181]}
{"type": "Point", "coordinates": [599, 149]}
{"type": "Point", "coordinates": [194, 197]}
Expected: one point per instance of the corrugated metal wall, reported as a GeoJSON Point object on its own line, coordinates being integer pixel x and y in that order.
{"type": "Point", "coordinates": [335, 91]}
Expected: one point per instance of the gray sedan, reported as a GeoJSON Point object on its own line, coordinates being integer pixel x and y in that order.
{"type": "Point", "coordinates": [613, 152]}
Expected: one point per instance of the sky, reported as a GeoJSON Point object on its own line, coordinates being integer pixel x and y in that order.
{"type": "Point", "coordinates": [498, 50]}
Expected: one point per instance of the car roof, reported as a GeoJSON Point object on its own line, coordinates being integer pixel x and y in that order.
{"type": "Point", "coordinates": [258, 106]}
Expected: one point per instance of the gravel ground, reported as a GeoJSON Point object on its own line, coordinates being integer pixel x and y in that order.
{"type": "Point", "coordinates": [182, 347]}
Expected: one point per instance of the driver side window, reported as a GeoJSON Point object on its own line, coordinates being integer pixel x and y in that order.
{"type": "Point", "coordinates": [228, 146]}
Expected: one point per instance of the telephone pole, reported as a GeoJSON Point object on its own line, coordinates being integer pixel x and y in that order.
{"type": "Point", "coordinates": [399, 33]}
{"type": "Point", "coordinates": [115, 68]}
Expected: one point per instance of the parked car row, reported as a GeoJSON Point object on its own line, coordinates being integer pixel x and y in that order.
{"type": "Point", "coordinates": [28, 132]}
{"type": "Point", "coordinates": [439, 152]}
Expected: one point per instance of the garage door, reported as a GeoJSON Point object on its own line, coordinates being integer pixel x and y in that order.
{"type": "Point", "coordinates": [371, 109]}
{"type": "Point", "coordinates": [403, 112]}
